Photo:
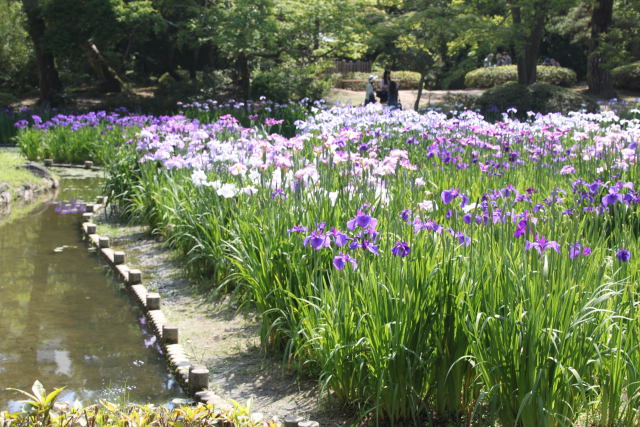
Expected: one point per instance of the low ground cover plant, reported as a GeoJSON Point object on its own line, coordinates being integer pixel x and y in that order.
{"type": "Point", "coordinates": [495, 76]}
{"type": "Point", "coordinates": [627, 76]}
{"type": "Point", "coordinates": [537, 98]}
{"type": "Point", "coordinates": [42, 409]}
{"type": "Point", "coordinates": [422, 266]}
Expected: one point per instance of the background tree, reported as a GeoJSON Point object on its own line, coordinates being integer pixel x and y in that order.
{"type": "Point", "coordinates": [16, 49]}
{"type": "Point", "coordinates": [598, 76]}
{"type": "Point", "coordinates": [48, 80]}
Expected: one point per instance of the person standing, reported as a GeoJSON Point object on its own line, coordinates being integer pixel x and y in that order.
{"type": "Point", "coordinates": [370, 95]}
{"type": "Point", "coordinates": [392, 102]}
{"type": "Point", "coordinates": [383, 93]}
{"type": "Point", "coordinates": [488, 61]}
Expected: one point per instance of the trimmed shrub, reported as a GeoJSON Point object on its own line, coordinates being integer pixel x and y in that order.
{"type": "Point", "coordinates": [358, 81]}
{"type": "Point", "coordinates": [538, 97]}
{"type": "Point", "coordinates": [496, 76]}
{"type": "Point", "coordinates": [285, 84]}
{"type": "Point", "coordinates": [627, 76]}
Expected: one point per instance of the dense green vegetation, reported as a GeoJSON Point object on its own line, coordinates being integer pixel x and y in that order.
{"type": "Point", "coordinates": [538, 97]}
{"type": "Point", "coordinates": [495, 76]}
{"type": "Point", "coordinates": [42, 409]}
{"type": "Point", "coordinates": [627, 76]}
{"type": "Point", "coordinates": [283, 49]}
{"type": "Point", "coordinates": [453, 270]}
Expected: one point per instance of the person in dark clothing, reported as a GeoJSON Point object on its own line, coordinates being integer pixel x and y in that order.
{"type": "Point", "coordinates": [392, 101]}
{"type": "Point", "coordinates": [383, 93]}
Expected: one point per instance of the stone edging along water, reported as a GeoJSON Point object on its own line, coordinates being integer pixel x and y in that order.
{"type": "Point", "coordinates": [194, 379]}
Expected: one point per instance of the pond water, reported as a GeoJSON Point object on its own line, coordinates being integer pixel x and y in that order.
{"type": "Point", "coordinates": [64, 321]}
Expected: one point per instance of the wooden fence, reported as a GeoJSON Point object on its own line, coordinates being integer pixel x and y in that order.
{"type": "Point", "coordinates": [351, 66]}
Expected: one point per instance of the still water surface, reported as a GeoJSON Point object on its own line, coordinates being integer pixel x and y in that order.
{"type": "Point", "coordinates": [64, 321]}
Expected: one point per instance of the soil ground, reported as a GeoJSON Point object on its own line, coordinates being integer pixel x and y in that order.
{"type": "Point", "coordinates": [87, 98]}
{"type": "Point", "coordinates": [407, 97]}
{"type": "Point", "coordinates": [429, 97]}
{"type": "Point", "coordinates": [216, 334]}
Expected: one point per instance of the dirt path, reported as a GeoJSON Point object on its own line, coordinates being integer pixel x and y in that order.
{"type": "Point", "coordinates": [214, 334]}
{"type": "Point", "coordinates": [407, 97]}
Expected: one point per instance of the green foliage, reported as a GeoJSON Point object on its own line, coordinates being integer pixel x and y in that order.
{"type": "Point", "coordinates": [285, 83]}
{"type": "Point", "coordinates": [357, 81]}
{"type": "Point", "coordinates": [39, 404]}
{"type": "Point", "coordinates": [627, 76]}
{"type": "Point", "coordinates": [16, 50]}
{"type": "Point", "coordinates": [453, 78]}
{"type": "Point", "coordinates": [41, 409]}
{"type": "Point", "coordinates": [538, 97]}
{"type": "Point", "coordinates": [495, 76]}
{"type": "Point", "coordinates": [535, 339]}
{"type": "Point", "coordinates": [64, 145]}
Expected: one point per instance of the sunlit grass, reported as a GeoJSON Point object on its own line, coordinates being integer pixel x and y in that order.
{"type": "Point", "coordinates": [12, 175]}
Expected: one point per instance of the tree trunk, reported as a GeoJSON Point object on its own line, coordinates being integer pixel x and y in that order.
{"type": "Point", "coordinates": [316, 35]}
{"type": "Point", "coordinates": [48, 79]}
{"type": "Point", "coordinates": [195, 63]}
{"type": "Point", "coordinates": [598, 77]}
{"type": "Point", "coordinates": [109, 81]}
{"type": "Point", "coordinates": [420, 86]}
{"type": "Point", "coordinates": [244, 76]}
{"type": "Point", "coordinates": [530, 47]}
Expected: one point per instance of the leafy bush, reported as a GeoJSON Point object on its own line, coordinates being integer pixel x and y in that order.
{"type": "Point", "coordinates": [538, 97]}
{"type": "Point", "coordinates": [357, 81]}
{"type": "Point", "coordinates": [17, 67]}
{"type": "Point", "coordinates": [40, 408]}
{"type": "Point", "coordinates": [627, 76]}
{"type": "Point", "coordinates": [170, 91]}
{"type": "Point", "coordinates": [454, 78]}
{"type": "Point", "coordinates": [496, 76]}
{"type": "Point", "coordinates": [283, 84]}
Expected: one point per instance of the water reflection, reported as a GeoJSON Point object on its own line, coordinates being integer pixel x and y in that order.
{"type": "Point", "coordinates": [63, 321]}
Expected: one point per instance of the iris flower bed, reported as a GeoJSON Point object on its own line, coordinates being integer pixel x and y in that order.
{"type": "Point", "coordinates": [260, 113]}
{"type": "Point", "coordinates": [423, 267]}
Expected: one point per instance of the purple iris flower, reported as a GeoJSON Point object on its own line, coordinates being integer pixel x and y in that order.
{"type": "Point", "coordinates": [447, 196]}
{"type": "Point", "coordinates": [463, 239]}
{"type": "Point", "coordinates": [297, 229]}
{"type": "Point", "coordinates": [611, 199]}
{"type": "Point", "coordinates": [371, 247]}
{"type": "Point", "coordinates": [623, 255]}
{"type": "Point", "coordinates": [355, 245]}
{"type": "Point", "coordinates": [401, 249]}
{"type": "Point", "coordinates": [317, 240]}
{"type": "Point", "coordinates": [576, 249]}
{"type": "Point", "coordinates": [467, 218]}
{"type": "Point", "coordinates": [339, 261]}
{"type": "Point", "coordinates": [405, 214]}
{"type": "Point", "coordinates": [339, 238]}
{"type": "Point", "coordinates": [362, 220]}
{"type": "Point", "coordinates": [541, 245]}
{"type": "Point", "coordinates": [21, 124]}
{"type": "Point", "coordinates": [279, 192]}
{"type": "Point", "coordinates": [521, 229]}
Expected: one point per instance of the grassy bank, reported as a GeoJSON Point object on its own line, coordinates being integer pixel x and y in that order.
{"type": "Point", "coordinates": [9, 173]}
